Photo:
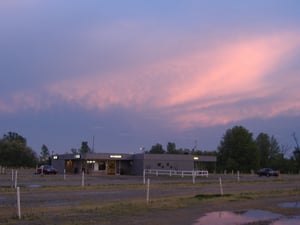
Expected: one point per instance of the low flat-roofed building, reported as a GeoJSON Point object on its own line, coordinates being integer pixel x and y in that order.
{"type": "Point", "coordinates": [129, 164]}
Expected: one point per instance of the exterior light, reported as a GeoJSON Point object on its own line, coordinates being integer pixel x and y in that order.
{"type": "Point", "coordinates": [196, 158]}
{"type": "Point", "coordinates": [55, 157]}
{"type": "Point", "coordinates": [77, 156]}
{"type": "Point", "coordinates": [115, 156]}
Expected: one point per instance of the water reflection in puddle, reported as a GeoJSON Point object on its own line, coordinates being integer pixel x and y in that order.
{"type": "Point", "coordinates": [245, 217]}
{"type": "Point", "coordinates": [242, 217]}
{"type": "Point", "coordinates": [288, 221]}
{"type": "Point", "coordinates": [290, 205]}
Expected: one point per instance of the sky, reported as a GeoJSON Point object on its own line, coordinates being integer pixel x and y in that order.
{"type": "Point", "coordinates": [126, 75]}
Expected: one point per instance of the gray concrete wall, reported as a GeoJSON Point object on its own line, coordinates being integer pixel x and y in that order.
{"type": "Point", "coordinates": [169, 162]}
{"type": "Point", "coordinates": [59, 164]}
{"type": "Point", "coordinates": [137, 164]}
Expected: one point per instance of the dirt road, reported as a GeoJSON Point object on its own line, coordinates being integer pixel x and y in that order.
{"type": "Point", "coordinates": [51, 199]}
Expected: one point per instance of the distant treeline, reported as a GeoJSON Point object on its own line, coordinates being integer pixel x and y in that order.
{"type": "Point", "coordinates": [237, 150]}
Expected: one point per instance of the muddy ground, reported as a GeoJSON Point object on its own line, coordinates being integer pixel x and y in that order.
{"type": "Point", "coordinates": [56, 199]}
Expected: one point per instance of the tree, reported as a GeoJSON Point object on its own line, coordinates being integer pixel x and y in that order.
{"type": "Point", "coordinates": [157, 149]}
{"type": "Point", "coordinates": [171, 148]}
{"type": "Point", "coordinates": [14, 137]}
{"type": "Point", "coordinates": [275, 150]}
{"type": "Point", "coordinates": [74, 151]}
{"type": "Point", "coordinates": [14, 151]}
{"type": "Point", "coordinates": [269, 151]}
{"type": "Point", "coordinates": [45, 154]}
{"type": "Point", "coordinates": [85, 147]}
{"type": "Point", "coordinates": [296, 152]}
{"type": "Point", "coordinates": [238, 150]}
{"type": "Point", "coordinates": [264, 145]}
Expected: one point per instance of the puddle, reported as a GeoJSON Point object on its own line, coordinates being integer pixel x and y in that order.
{"type": "Point", "coordinates": [242, 217]}
{"type": "Point", "coordinates": [289, 205]}
{"type": "Point", "coordinates": [55, 204]}
{"type": "Point", "coordinates": [246, 217]}
{"type": "Point", "coordinates": [288, 221]}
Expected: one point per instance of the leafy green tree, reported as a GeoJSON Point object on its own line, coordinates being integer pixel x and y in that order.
{"type": "Point", "coordinates": [296, 152]}
{"type": "Point", "coordinates": [14, 137]}
{"type": "Point", "coordinates": [238, 150]}
{"type": "Point", "coordinates": [205, 153]}
{"type": "Point", "coordinates": [171, 148]}
{"type": "Point", "coordinates": [157, 149]}
{"type": "Point", "coordinates": [269, 151]}
{"type": "Point", "coordinates": [45, 154]}
{"type": "Point", "coordinates": [276, 154]}
{"type": "Point", "coordinates": [14, 151]}
{"type": "Point", "coordinates": [264, 146]}
{"type": "Point", "coordinates": [296, 158]}
{"type": "Point", "coordinates": [85, 147]}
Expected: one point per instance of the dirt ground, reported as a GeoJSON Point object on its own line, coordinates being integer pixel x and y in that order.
{"type": "Point", "coordinates": [55, 199]}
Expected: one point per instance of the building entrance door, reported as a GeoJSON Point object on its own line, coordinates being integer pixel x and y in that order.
{"type": "Point", "coordinates": [69, 166]}
{"type": "Point", "coordinates": [111, 167]}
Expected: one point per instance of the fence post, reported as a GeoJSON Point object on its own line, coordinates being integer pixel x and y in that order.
{"type": "Point", "coordinates": [221, 186]}
{"type": "Point", "coordinates": [82, 179]}
{"type": "Point", "coordinates": [148, 191]}
{"type": "Point", "coordinates": [18, 203]}
{"type": "Point", "coordinates": [193, 176]}
{"type": "Point", "coordinates": [12, 178]}
{"type": "Point", "coordinates": [16, 178]}
{"type": "Point", "coordinates": [238, 176]}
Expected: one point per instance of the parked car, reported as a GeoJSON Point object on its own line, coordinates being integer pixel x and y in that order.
{"type": "Point", "coordinates": [46, 169]}
{"type": "Point", "coordinates": [267, 172]}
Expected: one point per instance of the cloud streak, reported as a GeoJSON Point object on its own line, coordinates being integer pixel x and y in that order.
{"type": "Point", "coordinates": [216, 85]}
{"type": "Point", "coordinates": [202, 87]}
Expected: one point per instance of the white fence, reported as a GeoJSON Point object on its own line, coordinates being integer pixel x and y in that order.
{"type": "Point", "coordinates": [182, 173]}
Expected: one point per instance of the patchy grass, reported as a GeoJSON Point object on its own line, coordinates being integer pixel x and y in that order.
{"type": "Point", "coordinates": [95, 213]}
{"type": "Point", "coordinates": [116, 212]}
{"type": "Point", "coordinates": [211, 196]}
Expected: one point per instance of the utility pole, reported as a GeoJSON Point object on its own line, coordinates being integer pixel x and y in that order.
{"type": "Point", "coordinates": [93, 146]}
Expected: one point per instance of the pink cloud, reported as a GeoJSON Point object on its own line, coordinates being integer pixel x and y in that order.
{"type": "Point", "coordinates": [208, 85]}
{"type": "Point", "coordinates": [5, 108]}
{"type": "Point", "coordinates": [25, 101]}
{"type": "Point", "coordinates": [240, 71]}
{"type": "Point", "coordinates": [202, 87]}
{"type": "Point", "coordinates": [236, 68]}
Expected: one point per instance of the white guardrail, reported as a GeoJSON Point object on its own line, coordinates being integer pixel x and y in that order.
{"type": "Point", "coordinates": [182, 173]}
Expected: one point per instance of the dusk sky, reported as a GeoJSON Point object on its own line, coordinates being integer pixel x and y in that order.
{"type": "Point", "coordinates": [138, 72]}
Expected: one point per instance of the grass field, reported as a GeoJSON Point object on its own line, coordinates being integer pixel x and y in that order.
{"type": "Point", "coordinates": [55, 199]}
